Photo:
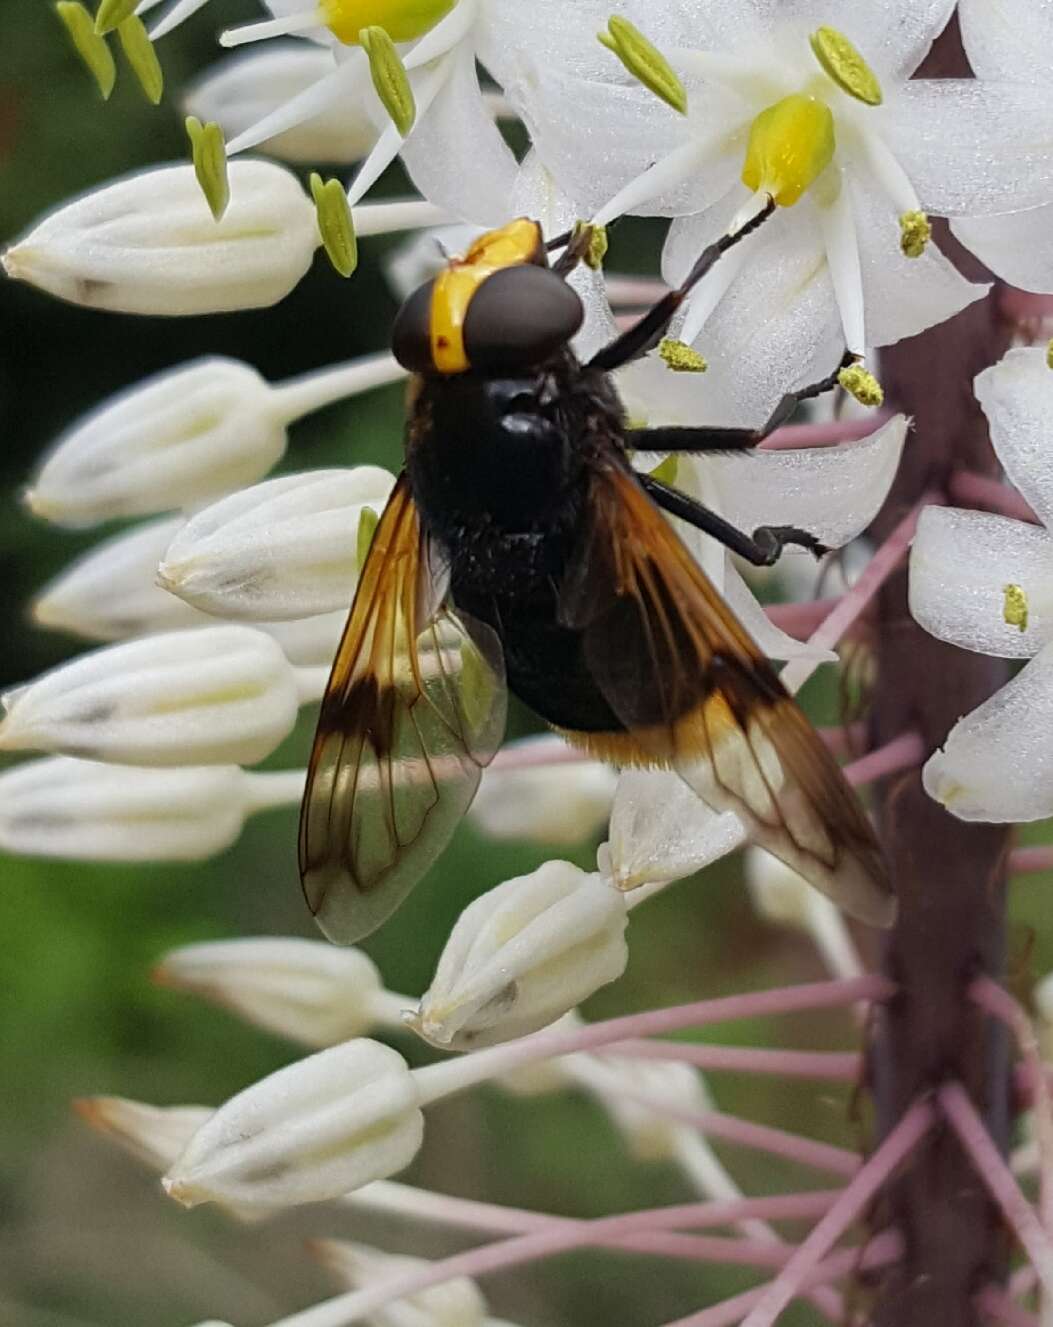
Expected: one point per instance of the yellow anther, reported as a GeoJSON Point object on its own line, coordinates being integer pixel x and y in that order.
{"type": "Point", "coordinates": [91, 48]}
{"type": "Point", "coordinates": [595, 241]}
{"type": "Point", "coordinates": [861, 383]}
{"type": "Point", "coordinates": [389, 78]}
{"type": "Point", "coordinates": [139, 52]}
{"type": "Point", "coordinates": [680, 357]}
{"type": "Point", "coordinates": [1049, 354]}
{"type": "Point", "coordinates": [914, 233]}
{"type": "Point", "coordinates": [1014, 609]}
{"type": "Point", "coordinates": [840, 59]}
{"type": "Point", "coordinates": [791, 144]}
{"type": "Point", "coordinates": [402, 20]}
{"type": "Point", "coordinates": [335, 224]}
{"type": "Point", "coordinates": [367, 528]}
{"type": "Point", "coordinates": [644, 61]}
{"type": "Point", "coordinates": [666, 471]}
{"type": "Point", "coordinates": [210, 163]}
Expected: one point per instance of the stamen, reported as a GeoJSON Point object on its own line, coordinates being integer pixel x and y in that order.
{"type": "Point", "coordinates": [644, 61]}
{"type": "Point", "coordinates": [712, 289]}
{"type": "Point", "coordinates": [844, 64]}
{"type": "Point", "coordinates": [846, 273]}
{"type": "Point", "coordinates": [915, 233]}
{"type": "Point", "coordinates": [335, 224]}
{"type": "Point", "coordinates": [859, 382]}
{"type": "Point", "coordinates": [889, 173]}
{"type": "Point", "coordinates": [1014, 611]}
{"type": "Point", "coordinates": [791, 143]}
{"type": "Point", "coordinates": [389, 77]}
{"type": "Point", "coordinates": [179, 13]}
{"type": "Point", "coordinates": [140, 54]}
{"type": "Point", "coordinates": [91, 48]}
{"type": "Point", "coordinates": [302, 21]}
{"type": "Point", "coordinates": [210, 163]}
{"type": "Point", "coordinates": [386, 148]}
{"type": "Point", "coordinates": [680, 357]}
{"type": "Point", "coordinates": [679, 165]}
{"type": "Point", "coordinates": [311, 101]}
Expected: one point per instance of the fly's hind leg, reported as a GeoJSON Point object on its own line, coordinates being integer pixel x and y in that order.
{"type": "Point", "coordinates": [763, 548]}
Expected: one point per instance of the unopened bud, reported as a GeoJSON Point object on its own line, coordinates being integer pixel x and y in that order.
{"type": "Point", "coordinates": [307, 990]}
{"type": "Point", "coordinates": [154, 1135]}
{"type": "Point", "coordinates": [214, 696]}
{"type": "Point", "coordinates": [149, 244]}
{"type": "Point", "coordinates": [554, 803]}
{"type": "Point", "coordinates": [312, 1131]}
{"type": "Point", "coordinates": [111, 593]}
{"type": "Point", "coordinates": [286, 548]}
{"type": "Point", "coordinates": [177, 439]}
{"type": "Point", "coordinates": [80, 810]}
{"type": "Point", "coordinates": [522, 955]}
{"type": "Point", "coordinates": [454, 1303]}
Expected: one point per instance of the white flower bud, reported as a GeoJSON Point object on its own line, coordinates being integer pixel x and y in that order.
{"type": "Point", "coordinates": [240, 90]}
{"type": "Point", "coordinates": [454, 1303]}
{"type": "Point", "coordinates": [661, 831]}
{"type": "Point", "coordinates": [308, 642]}
{"type": "Point", "coordinates": [82, 810]}
{"type": "Point", "coordinates": [554, 803]}
{"type": "Point", "coordinates": [779, 893]}
{"type": "Point", "coordinates": [286, 548]}
{"type": "Point", "coordinates": [148, 243]}
{"type": "Point", "coordinates": [312, 1131]}
{"type": "Point", "coordinates": [541, 1077]}
{"type": "Point", "coordinates": [649, 1134]}
{"type": "Point", "coordinates": [307, 990]}
{"type": "Point", "coordinates": [175, 440]}
{"type": "Point", "coordinates": [522, 955]}
{"type": "Point", "coordinates": [111, 592]}
{"type": "Point", "coordinates": [154, 1135]}
{"type": "Point", "coordinates": [214, 696]}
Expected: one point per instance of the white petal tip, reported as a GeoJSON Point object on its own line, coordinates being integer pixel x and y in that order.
{"type": "Point", "coordinates": [181, 1192]}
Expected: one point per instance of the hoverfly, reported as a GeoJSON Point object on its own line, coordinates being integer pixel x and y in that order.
{"type": "Point", "coordinates": [519, 543]}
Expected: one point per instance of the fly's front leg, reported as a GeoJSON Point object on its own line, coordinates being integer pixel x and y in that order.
{"type": "Point", "coordinates": [763, 548]}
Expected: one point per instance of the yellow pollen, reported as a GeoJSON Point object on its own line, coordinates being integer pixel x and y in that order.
{"type": "Point", "coordinates": [680, 357]}
{"type": "Point", "coordinates": [1049, 354]}
{"type": "Point", "coordinates": [791, 144]}
{"type": "Point", "coordinates": [861, 383]}
{"type": "Point", "coordinates": [914, 233]}
{"type": "Point", "coordinates": [843, 63]}
{"type": "Point", "coordinates": [403, 20]}
{"type": "Point", "coordinates": [1014, 610]}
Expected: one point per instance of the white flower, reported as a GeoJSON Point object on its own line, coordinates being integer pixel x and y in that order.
{"type": "Point", "coordinates": [286, 548]}
{"type": "Point", "coordinates": [154, 1135]}
{"type": "Point", "coordinates": [149, 244]}
{"type": "Point", "coordinates": [219, 695]}
{"type": "Point", "coordinates": [80, 809]}
{"type": "Point", "coordinates": [522, 955]}
{"type": "Point", "coordinates": [185, 436]}
{"type": "Point", "coordinates": [312, 1131]}
{"type": "Point", "coordinates": [454, 1303]}
{"type": "Point", "coordinates": [309, 991]}
{"type": "Point", "coordinates": [243, 88]}
{"type": "Point", "coordinates": [110, 593]}
{"type": "Point", "coordinates": [553, 803]}
{"type": "Point", "coordinates": [982, 582]}
{"type": "Point", "coordinates": [828, 268]}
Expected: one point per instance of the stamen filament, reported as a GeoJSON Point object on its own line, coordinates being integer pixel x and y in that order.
{"type": "Point", "coordinates": [846, 272]}
{"type": "Point", "coordinates": [387, 146]}
{"type": "Point", "coordinates": [311, 101]}
{"type": "Point", "coordinates": [675, 166]}
{"type": "Point", "coordinates": [300, 396]}
{"type": "Point", "coordinates": [274, 27]}
{"type": "Point", "coordinates": [179, 13]}
{"type": "Point", "coordinates": [889, 173]}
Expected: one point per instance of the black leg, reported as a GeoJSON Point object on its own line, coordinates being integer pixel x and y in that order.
{"type": "Point", "coordinates": [715, 439]}
{"type": "Point", "coordinates": [646, 333]}
{"type": "Point", "coordinates": [762, 548]}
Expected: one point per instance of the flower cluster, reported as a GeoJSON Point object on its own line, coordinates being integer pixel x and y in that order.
{"type": "Point", "coordinates": [216, 617]}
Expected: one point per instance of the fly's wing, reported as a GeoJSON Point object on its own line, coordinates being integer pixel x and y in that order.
{"type": "Point", "coordinates": [690, 686]}
{"type": "Point", "coordinates": [413, 712]}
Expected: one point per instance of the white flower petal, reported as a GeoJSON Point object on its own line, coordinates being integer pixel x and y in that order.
{"type": "Point", "coordinates": [111, 592]}
{"type": "Point", "coordinates": [283, 549]}
{"type": "Point", "coordinates": [149, 244]}
{"type": "Point", "coordinates": [997, 762]}
{"type": "Point", "coordinates": [241, 89]}
{"type": "Point", "coordinates": [1017, 397]}
{"type": "Point", "coordinates": [214, 696]}
{"type": "Point", "coordinates": [309, 991]}
{"type": "Point", "coordinates": [1018, 246]}
{"type": "Point", "coordinates": [902, 296]}
{"type": "Point", "coordinates": [832, 492]}
{"type": "Point", "coordinates": [554, 804]}
{"type": "Point", "coordinates": [455, 154]}
{"type": "Point", "coordinates": [1009, 39]}
{"type": "Point", "coordinates": [314, 1130]}
{"type": "Point", "coordinates": [84, 811]}
{"type": "Point", "coordinates": [523, 955]}
{"type": "Point", "coordinates": [973, 148]}
{"type": "Point", "coordinates": [660, 831]}
{"type": "Point", "coordinates": [176, 439]}
{"type": "Point", "coordinates": [769, 639]}
{"type": "Point", "coordinates": [960, 565]}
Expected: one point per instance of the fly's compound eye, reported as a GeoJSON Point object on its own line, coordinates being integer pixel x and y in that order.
{"type": "Point", "coordinates": [411, 334]}
{"type": "Point", "coordinates": [519, 316]}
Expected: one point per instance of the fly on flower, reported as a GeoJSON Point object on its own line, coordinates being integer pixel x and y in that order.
{"type": "Point", "coordinates": [519, 542]}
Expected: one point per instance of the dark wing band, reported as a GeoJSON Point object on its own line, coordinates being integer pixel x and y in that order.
{"type": "Point", "coordinates": [694, 692]}
{"type": "Point", "coordinates": [414, 710]}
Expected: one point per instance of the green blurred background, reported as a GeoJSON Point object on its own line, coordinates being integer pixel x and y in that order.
{"type": "Point", "coordinates": [86, 1237]}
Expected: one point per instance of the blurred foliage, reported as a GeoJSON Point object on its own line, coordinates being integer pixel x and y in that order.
{"type": "Point", "coordinates": [86, 1238]}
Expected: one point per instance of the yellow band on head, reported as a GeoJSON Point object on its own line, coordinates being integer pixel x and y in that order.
{"type": "Point", "coordinates": [518, 242]}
